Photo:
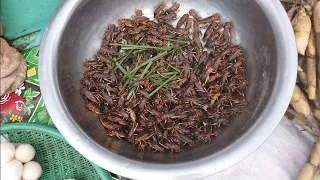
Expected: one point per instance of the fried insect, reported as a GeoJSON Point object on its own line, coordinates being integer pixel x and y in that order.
{"type": "Point", "coordinates": [163, 87]}
{"type": "Point", "coordinates": [182, 20]}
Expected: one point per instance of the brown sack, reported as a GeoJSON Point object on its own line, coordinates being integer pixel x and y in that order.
{"type": "Point", "coordinates": [12, 68]}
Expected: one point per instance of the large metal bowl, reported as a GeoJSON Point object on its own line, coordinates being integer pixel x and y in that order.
{"type": "Point", "coordinates": [74, 34]}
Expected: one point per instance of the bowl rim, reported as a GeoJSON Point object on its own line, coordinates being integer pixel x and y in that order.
{"type": "Point", "coordinates": [206, 166]}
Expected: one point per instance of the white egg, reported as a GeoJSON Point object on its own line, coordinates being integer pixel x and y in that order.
{"type": "Point", "coordinates": [31, 171]}
{"type": "Point", "coordinates": [25, 153]}
{"type": "Point", "coordinates": [7, 152]}
{"type": "Point", "coordinates": [12, 170]}
{"type": "Point", "coordinates": [16, 144]}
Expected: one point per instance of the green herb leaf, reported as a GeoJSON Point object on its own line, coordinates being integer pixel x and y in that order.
{"type": "Point", "coordinates": [131, 93]}
{"type": "Point", "coordinates": [146, 69]}
{"type": "Point", "coordinates": [123, 59]}
{"type": "Point", "coordinates": [160, 55]}
{"type": "Point", "coordinates": [121, 68]}
{"type": "Point", "coordinates": [154, 68]}
{"type": "Point", "coordinates": [163, 84]}
{"type": "Point", "coordinates": [140, 47]}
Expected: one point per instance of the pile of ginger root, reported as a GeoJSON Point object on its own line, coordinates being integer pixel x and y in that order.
{"type": "Point", "coordinates": [304, 106]}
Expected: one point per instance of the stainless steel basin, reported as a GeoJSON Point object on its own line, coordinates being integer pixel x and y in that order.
{"type": "Point", "coordinates": [74, 34]}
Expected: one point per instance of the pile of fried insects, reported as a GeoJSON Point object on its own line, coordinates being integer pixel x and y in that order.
{"type": "Point", "coordinates": [162, 86]}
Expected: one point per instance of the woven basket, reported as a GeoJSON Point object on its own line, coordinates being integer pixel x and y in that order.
{"type": "Point", "coordinates": [57, 158]}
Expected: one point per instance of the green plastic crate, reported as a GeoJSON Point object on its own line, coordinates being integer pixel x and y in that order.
{"type": "Point", "coordinates": [58, 159]}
